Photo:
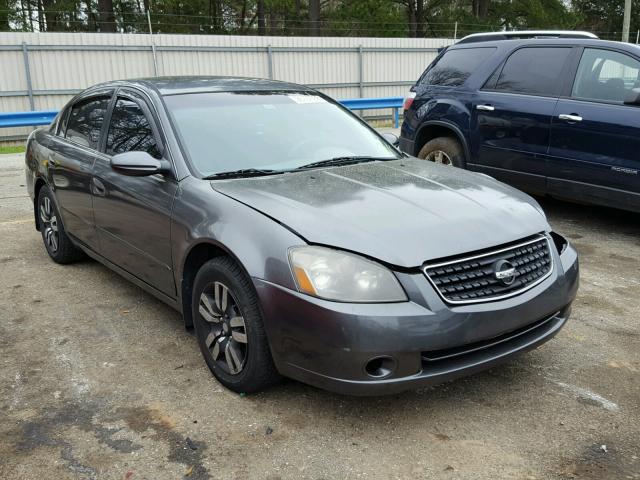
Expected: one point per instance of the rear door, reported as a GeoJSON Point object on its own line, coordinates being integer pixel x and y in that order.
{"type": "Point", "coordinates": [133, 214]}
{"type": "Point", "coordinates": [595, 137]}
{"type": "Point", "coordinates": [511, 119]}
{"type": "Point", "coordinates": [72, 155]}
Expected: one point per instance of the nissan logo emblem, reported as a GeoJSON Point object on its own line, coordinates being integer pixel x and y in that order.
{"type": "Point", "coordinates": [505, 272]}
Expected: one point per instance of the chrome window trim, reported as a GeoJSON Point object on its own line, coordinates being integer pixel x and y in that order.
{"type": "Point", "coordinates": [494, 252]}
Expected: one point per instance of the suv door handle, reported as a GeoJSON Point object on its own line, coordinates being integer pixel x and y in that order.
{"type": "Point", "coordinates": [570, 117]}
{"type": "Point", "coordinates": [486, 108]}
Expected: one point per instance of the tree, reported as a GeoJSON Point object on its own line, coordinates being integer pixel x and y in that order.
{"type": "Point", "coordinates": [262, 26]}
{"type": "Point", "coordinates": [401, 18]}
{"type": "Point", "coordinates": [107, 22]}
{"type": "Point", "coordinates": [480, 8]}
{"type": "Point", "coordinates": [603, 17]}
{"type": "Point", "coordinates": [378, 18]}
{"type": "Point", "coordinates": [6, 6]}
{"type": "Point", "coordinates": [314, 18]}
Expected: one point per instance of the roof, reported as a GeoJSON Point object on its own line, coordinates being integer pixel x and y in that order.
{"type": "Point", "coordinates": [201, 84]}
{"type": "Point", "coordinates": [508, 45]}
{"type": "Point", "coordinates": [525, 34]}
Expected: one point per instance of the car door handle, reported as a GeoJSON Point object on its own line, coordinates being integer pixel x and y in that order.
{"type": "Point", "coordinates": [570, 117]}
{"type": "Point", "coordinates": [98, 188]}
{"type": "Point", "coordinates": [486, 108]}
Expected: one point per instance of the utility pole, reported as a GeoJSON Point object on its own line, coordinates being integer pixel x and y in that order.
{"type": "Point", "coordinates": [626, 21]}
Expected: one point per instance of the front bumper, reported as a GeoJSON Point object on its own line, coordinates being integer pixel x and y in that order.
{"type": "Point", "coordinates": [329, 344]}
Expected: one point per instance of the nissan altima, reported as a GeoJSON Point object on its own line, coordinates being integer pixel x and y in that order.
{"type": "Point", "coordinates": [295, 239]}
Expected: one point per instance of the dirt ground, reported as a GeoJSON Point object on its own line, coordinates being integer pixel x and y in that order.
{"type": "Point", "coordinates": [100, 380]}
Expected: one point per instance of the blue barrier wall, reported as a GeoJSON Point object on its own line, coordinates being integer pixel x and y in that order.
{"type": "Point", "coordinates": [27, 119]}
{"type": "Point", "coordinates": [45, 117]}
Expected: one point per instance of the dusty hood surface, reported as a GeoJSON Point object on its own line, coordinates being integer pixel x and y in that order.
{"type": "Point", "coordinates": [402, 212]}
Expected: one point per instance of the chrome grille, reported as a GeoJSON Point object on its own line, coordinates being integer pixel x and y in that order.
{"type": "Point", "coordinates": [475, 278]}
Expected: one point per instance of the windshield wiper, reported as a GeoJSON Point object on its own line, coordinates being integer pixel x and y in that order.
{"type": "Point", "coordinates": [242, 173]}
{"type": "Point", "coordinates": [337, 161]}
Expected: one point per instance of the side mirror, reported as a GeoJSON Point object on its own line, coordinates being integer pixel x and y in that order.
{"type": "Point", "coordinates": [632, 97]}
{"type": "Point", "coordinates": [392, 138]}
{"type": "Point", "coordinates": [136, 164]}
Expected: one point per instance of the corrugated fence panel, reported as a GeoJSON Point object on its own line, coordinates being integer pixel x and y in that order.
{"type": "Point", "coordinates": [316, 67]}
{"type": "Point", "coordinates": [61, 64]}
{"type": "Point", "coordinates": [13, 72]}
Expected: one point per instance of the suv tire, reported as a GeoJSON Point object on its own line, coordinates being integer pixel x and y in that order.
{"type": "Point", "coordinates": [229, 327]}
{"type": "Point", "coordinates": [444, 150]}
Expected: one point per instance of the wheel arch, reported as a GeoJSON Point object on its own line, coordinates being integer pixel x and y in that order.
{"type": "Point", "coordinates": [440, 128]}
{"type": "Point", "coordinates": [37, 186]}
{"type": "Point", "coordinates": [198, 254]}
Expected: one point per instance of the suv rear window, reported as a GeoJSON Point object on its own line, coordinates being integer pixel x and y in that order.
{"type": "Point", "coordinates": [533, 71]}
{"type": "Point", "coordinates": [455, 66]}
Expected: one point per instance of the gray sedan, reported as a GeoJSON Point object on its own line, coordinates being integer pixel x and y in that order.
{"type": "Point", "coordinates": [295, 239]}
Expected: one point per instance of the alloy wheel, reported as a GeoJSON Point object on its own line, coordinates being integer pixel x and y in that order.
{"type": "Point", "coordinates": [226, 339]}
{"type": "Point", "coordinates": [438, 156]}
{"type": "Point", "coordinates": [49, 224]}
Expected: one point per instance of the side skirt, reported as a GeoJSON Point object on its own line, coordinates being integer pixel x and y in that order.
{"type": "Point", "coordinates": [172, 302]}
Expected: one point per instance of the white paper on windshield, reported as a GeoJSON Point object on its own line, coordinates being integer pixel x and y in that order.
{"type": "Point", "coordinates": [303, 99]}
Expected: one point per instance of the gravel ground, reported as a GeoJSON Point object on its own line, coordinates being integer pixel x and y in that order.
{"type": "Point", "coordinates": [100, 380]}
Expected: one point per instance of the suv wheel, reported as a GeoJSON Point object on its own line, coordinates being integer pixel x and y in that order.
{"type": "Point", "coordinates": [58, 245]}
{"type": "Point", "coordinates": [443, 150]}
{"type": "Point", "coordinates": [229, 327]}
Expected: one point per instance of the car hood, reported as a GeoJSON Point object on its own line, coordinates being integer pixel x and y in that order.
{"type": "Point", "coordinates": [402, 212]}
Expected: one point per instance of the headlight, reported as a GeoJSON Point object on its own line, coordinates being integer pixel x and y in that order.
{"type": "Point", "coordinates": [560, 242]}
{"type": "Point", "coordinates": [341, 276]}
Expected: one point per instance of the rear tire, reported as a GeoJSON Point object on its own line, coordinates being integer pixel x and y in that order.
{"type": "Point", "coordinates": [56, 241]}
{"type": "Point", "coordinates": [229, 327]}
{"type": "Point", "coordinates": [444, 150]}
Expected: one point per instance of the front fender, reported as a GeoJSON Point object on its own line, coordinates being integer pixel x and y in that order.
{"type": "Point", "coordinates": [257, 242]}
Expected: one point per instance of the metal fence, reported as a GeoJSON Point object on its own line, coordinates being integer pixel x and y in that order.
{"type": "Point", "coordinates": [41, 71]}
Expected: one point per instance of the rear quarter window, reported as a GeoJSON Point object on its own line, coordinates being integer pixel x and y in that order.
{"type": "Point", "coordinates": [454, 67]}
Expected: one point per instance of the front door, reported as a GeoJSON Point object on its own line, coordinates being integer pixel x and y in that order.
{"type": "Point", "coordinates": [511, 119]}
{"type": "Point", "coordinates": [133, 214]}
{"type": "Point", "coordinates": [595, 136]}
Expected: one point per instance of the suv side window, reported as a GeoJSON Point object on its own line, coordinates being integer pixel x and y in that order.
{"type": "Point", "coordinates": [533, 71]}
{"type": "Point", "coordinates": [605, 76]}
{"type": "Point", "coordinates": [130, 130]}
{"type": "Point", "coordinates": [455, 66]}
{"type": "Point", "coordinates": [85, 121]}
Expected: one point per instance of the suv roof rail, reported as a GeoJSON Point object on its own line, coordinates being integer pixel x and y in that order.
{"type": "Point", "coordinates": [524, 34]}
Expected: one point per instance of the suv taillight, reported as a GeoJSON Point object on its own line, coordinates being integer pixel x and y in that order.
{"type": "Point", "coordinates": [408, 100]}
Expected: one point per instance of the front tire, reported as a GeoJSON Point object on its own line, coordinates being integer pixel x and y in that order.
{"type": "Point", "coordinates": [229, 327]}
{"type": "Point", "coordinates": [443, 150]}
{"type": "Point", "coordinates": [56, 241]}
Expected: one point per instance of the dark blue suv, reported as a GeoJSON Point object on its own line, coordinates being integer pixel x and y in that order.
{"type": "Point", "coordinates": [555, 116]}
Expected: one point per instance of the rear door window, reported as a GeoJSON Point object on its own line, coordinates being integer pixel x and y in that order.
{"type": "Point", "coordinates": [85, 121]}
{"type": "Point", "coordinates": [534, 71]}
{"type": "Point", "coordinates": [455, 66]}
{"type": "Point", "coordinates": [605, 76]}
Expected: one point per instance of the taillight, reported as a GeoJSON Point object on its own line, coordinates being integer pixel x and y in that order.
{"type": "Point", "coordinates": [408, 100]}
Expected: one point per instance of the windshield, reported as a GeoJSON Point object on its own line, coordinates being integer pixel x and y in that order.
{"type": "Point", "coordinates": [280, 130]}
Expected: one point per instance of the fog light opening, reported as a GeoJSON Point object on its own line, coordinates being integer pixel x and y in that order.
{"type": "Point", "coordinates": [380, 367]}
